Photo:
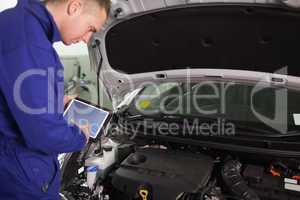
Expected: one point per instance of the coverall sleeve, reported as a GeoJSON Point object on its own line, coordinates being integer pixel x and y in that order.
{"type": "Point", "coordinates": [32, 84]}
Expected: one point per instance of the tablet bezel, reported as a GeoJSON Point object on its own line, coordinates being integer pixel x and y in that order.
{"type": "Point", "coordinates": [105, 121]}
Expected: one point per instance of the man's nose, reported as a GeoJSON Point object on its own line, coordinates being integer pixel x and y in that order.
{"type": "Point", "coordinates": [86, 38]}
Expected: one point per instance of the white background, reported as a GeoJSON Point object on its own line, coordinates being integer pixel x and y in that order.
{"type": "Point", "coordinates": [5, 4]}
{"type": "Point", "coordinates": [62, 50]}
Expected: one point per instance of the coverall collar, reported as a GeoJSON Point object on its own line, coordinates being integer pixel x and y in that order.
{"type": "Point", "coordinates": [46, 19]}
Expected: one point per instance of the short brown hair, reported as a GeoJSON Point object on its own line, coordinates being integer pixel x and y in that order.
{"type": "Point", "coordinates": [106, 4]}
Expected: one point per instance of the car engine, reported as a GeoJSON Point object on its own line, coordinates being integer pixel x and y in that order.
{"type": "Point", "coordinates": [128, 171]}
{"type": "Point", "coordinates": [165, 174]}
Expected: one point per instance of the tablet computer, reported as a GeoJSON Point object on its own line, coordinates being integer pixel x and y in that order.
{"type": "Point", "coordinates": [80, 112]}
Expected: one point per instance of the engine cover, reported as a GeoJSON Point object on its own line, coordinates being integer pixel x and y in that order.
{"type": "Point", "coordinates": [167, 173]}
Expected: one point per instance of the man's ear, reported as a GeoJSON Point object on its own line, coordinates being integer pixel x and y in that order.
{"type": "Point", "coordinates": [74, 7]}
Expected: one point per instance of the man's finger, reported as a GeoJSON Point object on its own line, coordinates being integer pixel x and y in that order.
{"type": "Point", "coordinates": [86, 130]}
{"type": "Point", "coordinates": [68, 98]}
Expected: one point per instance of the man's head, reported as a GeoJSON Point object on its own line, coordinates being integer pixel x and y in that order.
{"type": "Point", "coordinates": [77, 20]}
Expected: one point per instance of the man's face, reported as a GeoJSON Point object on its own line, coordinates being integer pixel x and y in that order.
{"type": "Point", "coordinates": [81, 22]}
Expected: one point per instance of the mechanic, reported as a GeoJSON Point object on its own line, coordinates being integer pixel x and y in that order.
{"type": "Point", "coordinates": [32, 128]}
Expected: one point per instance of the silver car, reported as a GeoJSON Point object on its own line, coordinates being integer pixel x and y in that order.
{"type": "Point", "coordinates": [205, 100]}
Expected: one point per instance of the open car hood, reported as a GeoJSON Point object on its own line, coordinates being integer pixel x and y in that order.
{"type": "Point", "coordinates": [146, 40]}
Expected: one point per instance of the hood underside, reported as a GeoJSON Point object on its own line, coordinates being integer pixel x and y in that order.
{"type": "Point", "coordinates": [244, 37]}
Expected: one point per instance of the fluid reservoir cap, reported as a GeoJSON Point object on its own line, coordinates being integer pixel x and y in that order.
{"type": "Point", "coordinates": [107, 148]}
{"type": "Point", "coordinates": [92, 169]}
{"type": "Point", "coordinates": [136, 159]}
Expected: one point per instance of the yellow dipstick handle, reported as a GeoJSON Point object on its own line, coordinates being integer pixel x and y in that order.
{"type": "Point", "coordinates": [144, 194]}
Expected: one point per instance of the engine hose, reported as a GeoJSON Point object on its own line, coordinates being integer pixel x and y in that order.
{"type": "Point", "coordinates": [231, 173]}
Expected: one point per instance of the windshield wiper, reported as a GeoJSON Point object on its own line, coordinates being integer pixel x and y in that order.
{"type": "Point", "coordinates": [267, 133]}
{"type": "Point", "coordinates": [161, 116]}
{"type": "Point", "coordinates": [254, 130]}
{"type": "Point", "coordinates": [292, 133]}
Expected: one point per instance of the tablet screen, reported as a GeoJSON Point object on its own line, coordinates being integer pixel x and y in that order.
{"type": "Point", "coordinates": [81, 113]}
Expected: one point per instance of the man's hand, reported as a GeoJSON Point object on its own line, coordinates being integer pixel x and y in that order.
{"type": "Point", "coordinates": [86, 130]}
{"type": "Point", "coordinates": [68, 98]}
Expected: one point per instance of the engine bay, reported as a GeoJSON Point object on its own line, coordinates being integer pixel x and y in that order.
{"type": "Point", "coordinates": [116, 170]}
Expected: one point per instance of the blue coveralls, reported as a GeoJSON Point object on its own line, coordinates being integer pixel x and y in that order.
{"type": "Point", "coordinates": [32, 128]}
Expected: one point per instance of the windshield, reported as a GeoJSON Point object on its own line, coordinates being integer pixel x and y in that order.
{"type": "Point", "coordinates": [258, 105]}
